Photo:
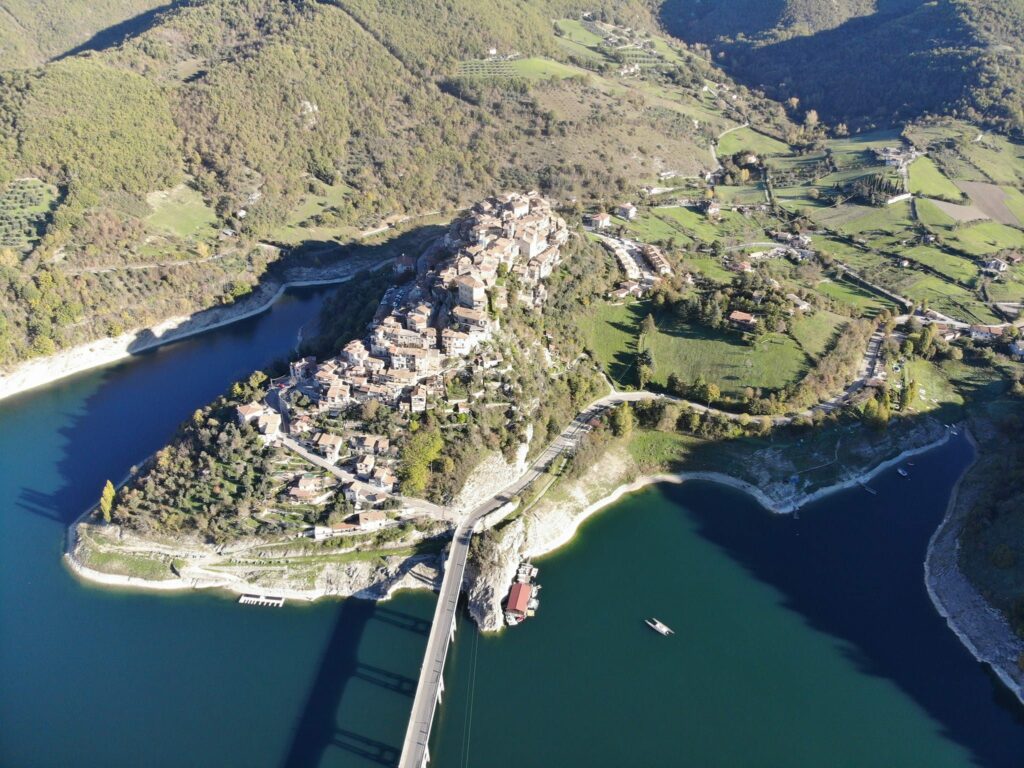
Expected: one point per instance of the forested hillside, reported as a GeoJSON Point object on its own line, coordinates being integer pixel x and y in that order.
{"type": "Point", "coordinates": [34, 31]}
{"type": "Point", "coordinates": [143, 179]}
{"type": "Point", "coordinates": [867, 62]}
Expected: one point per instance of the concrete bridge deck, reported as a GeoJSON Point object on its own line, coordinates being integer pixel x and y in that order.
{"type": "Point", "coordinates": [415, 751]}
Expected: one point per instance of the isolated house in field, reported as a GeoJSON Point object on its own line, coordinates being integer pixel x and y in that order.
{"type": "Point", "coordinates": [743, 320]}
{"type": "Point", "coordinates": [996, 265]}
{"type": "Point", "coordinates": [798, 303]}
{"type": "Point", "coordinates": [626, 211]}
{"type": "Point", "coordinates": [711, 209]}
{"type": "Point", "coordinates": [601, 221]}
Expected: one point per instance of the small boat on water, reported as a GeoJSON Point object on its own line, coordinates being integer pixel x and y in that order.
{"type": "Point", "coordinates": [658, 627]}
{"type": "Point", "coordinates": [902, 472]}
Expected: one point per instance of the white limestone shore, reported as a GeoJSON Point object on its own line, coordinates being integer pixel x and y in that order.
{"type": "Point", "coordinates": [779, 506]}
{"type": "Point", "coordinates": [38, 372]}
{"type": "Point", "coordinates": [982, 629]}
{"type": "Point", "coordinates": [377, 583]}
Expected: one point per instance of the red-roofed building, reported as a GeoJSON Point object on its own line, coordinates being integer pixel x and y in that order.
{"type": "Point", "coordinates": [518, 600]}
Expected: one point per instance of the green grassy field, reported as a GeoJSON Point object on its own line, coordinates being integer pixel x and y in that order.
{"type": "Point", "coordinates": [814, 332]}
{"type": "Point", "coordinates": [182, 212]}
{"type": "Point", "coordinates": [926, 179]}
{"type": "Point", "coordinates": [985, 237]}
{"type": "Point", "coordinates": [575, 31]}
{"type": "Point", "coordinates": [861, 147]}
{"type": "Point", "coordinates": [891, 219]}
{"type": "Point", "coordinates": [711, 268]}
{"type": "Point", "coordinates": [302, 223]}
{"type": "Point", "coordinates": [532, 68]}
{"type": "Point", "coordinates": [850, 295]}
{"type": "Point", "coordinates": [999, 159]}
{"type": "Point", "coordinates": [929, 214]}
{"type": "Point", "coordinates": [749, 140]}
{"type": "Point", "coordinates": [1009, 288]}
{"type": "Point", "coordinates": [937, 389]}
{"type": "Point", "coordinates": [668, 222]}
{"type": "Point", "coordinates": [611, 333]}
{"type": "Point", "coordinates": [722, 357]}
{"type": "Point", "coordinates": [954, 267]}
{"type": "Point", "coordinates": [1015, 202]}
{"type": "Point", "coordinates": [949, 299]}
{"type": "Point", "coordinates": [752, 194]}
{"type": "Point", "coordinates": [25, 207]}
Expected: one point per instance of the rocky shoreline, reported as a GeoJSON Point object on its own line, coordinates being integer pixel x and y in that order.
{"type": "Point", "coordinates": [358, 580]}
{"type": "Point", "coordinates": [203, 567]}
{"type": "Point", "coordinates": [981, 628]}
{"type": "Point", "coordinates": [41, 371]}
{"type": "Point", "coordinates": [554, 525]}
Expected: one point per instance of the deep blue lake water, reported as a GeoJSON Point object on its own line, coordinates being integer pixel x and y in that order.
{"type": "Point", "coordinates": [800, 642]}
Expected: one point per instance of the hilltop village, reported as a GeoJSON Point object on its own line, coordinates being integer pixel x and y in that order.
{"type": "Point", "coordinates": [429, 327]}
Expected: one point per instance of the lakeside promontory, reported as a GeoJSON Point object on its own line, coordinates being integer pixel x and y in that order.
{"type": "Point", "coordinates": [436, 385]}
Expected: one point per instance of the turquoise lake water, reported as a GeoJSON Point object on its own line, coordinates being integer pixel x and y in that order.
{"type": "Point", "coordinates": [799, 642]}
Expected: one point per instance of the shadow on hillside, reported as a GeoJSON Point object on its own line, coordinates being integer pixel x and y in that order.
{"type": "Point", "coordinates": [309, 260]}
{"type": "Point", "coordinates": [117, 34]}
{"type": "Point", "coordinates": [900, 61]}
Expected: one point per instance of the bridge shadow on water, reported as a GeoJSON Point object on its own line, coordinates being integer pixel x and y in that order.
{"type": "Point", "coordinates": [403, 620]}
{"type": "Point", "coordinates": [318, 729]}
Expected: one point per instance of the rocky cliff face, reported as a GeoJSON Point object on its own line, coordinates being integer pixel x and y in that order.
{"type": "Point", "coordinates": [491, 569]}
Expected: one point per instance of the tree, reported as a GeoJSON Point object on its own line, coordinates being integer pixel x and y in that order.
{"type": "Point", "coordinates": [107, 501]}
{"type": "Point", "coordinates": [643, 375]}
{"type": "Point", "coordinates": [648, 325]}
{"type": "Point", "coordinates": [711, 394]}
{"type": "Point", "coordinates": [621, 420]}
{"type": "Point", "coordinates": [676, 385]}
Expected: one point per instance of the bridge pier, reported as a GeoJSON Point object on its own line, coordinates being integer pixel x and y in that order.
{"type": "Point", "coordinates": [440, 688]}
{"type": "Point", "coordinates": [426, 757]}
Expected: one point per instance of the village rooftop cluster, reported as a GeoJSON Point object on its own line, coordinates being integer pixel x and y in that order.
{"type": "Point", "coordinates": [425, 331]}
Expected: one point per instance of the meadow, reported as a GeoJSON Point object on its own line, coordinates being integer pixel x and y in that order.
{"type": "Point", "coordinates": [181, 211]}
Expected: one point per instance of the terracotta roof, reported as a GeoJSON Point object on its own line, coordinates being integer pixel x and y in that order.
{"type": "Point", "coordinates": [519, 598]}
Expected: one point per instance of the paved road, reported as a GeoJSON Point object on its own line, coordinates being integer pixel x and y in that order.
{"type": "Point", "coordinates": [414, 748]}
